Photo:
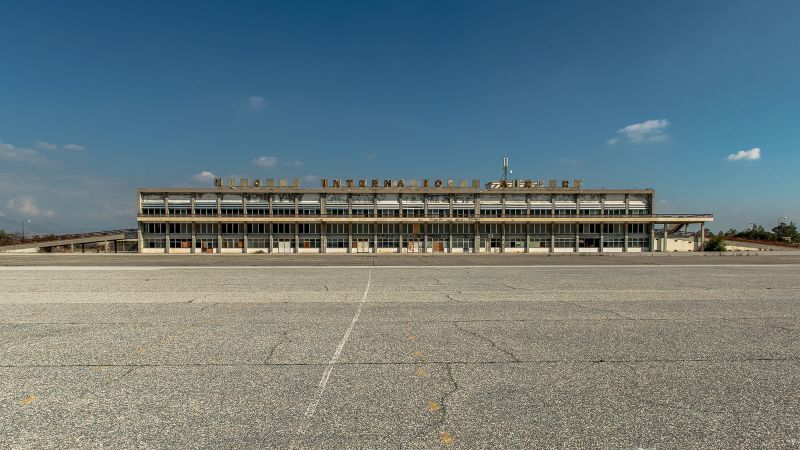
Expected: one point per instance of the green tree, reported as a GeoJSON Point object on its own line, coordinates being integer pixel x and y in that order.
{"type": "Point", "coordinates": [787, 232]}
{"type": "Point", "coordinates": [715, 244]}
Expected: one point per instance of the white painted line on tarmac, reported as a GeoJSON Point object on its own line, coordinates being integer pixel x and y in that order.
{"type": "Point", "coordinates": [331, 267]}
{"type": "Point", "coordinates": [323, 383]}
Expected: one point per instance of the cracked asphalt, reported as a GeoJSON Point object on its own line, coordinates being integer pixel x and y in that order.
{"type": "Point", "coordinates": [652, 353]}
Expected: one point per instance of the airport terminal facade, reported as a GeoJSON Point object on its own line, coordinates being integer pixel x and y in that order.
{"type": "Point", "coordinates": [404, 216]}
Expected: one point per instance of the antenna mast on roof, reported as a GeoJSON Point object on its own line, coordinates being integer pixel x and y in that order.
{"type": "Point", "coordinates": [505, 173]}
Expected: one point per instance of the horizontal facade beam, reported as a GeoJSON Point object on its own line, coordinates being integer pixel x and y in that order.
{"type": "Point", "coordinates": [660, 219]}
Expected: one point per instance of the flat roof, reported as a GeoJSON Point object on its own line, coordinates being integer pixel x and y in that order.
{"type": "Point", "coordinates": [386, 190]}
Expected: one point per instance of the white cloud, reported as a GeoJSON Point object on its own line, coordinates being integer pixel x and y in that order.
{"type": "Point", "coordinates": [74, 147]}
{"type": "Point", "coordinates": [26, 206]}
{"type": "Point", "coordinates": [46, 145]}
{"type": "Point", "coordinates": [293, 163]}
{"type": "Point", "coordinates": [311, 178]}
{"type": "Point", "coordinates": [266, 161]}
{"type": "Point", "coordinates": [2, 215]}
{"type": "Point", "coordinates": [204, 177]}
{"type": "Point", "coordinates": [256, 103]}
{"type": "Point", "coordinates": [11, 153]}
{"type": "Point", "coordinates": [749, 155]}
{"type": "Point", "coordinates": [647, 131]}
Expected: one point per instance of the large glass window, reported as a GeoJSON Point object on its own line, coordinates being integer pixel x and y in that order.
{"type": "Point", "coordinates": [206, 228]}
{"type": "Point", "coordinates": [180, 228]}
{"type": "Point", "coordinates": [154, 228]}
{"type": "Point", "coordinates": [232, 243]}
{"type": "Point", "coordinates": [362, 228]}
{"type": "Point", "coordinates": [337, 242]}
{"type": "Point", "coordinates": [564, 242]}
{"type": "Point", "coordinates": [153, 243]}
{"type": "Point", "coordinates": [283, 210]}
{"type": "Point", "coordinates": [205, 245]}
{"type": "Point", "coordinates": [152, 211]}
{"type": "Point", "coordinates": [283, 228]}
{"type": "Point", "coordinates": [257, 242]}
{"type": "Point", "coordinates": [637, 228]}
{"type": "Point", "coordinates": [336, 228]}
{"type": "Point", "coordinates": [564, 228]}
{"type": "Point", "coordinates": [180, 243]}
{"type": "Point", "coordinates": [308, 228]}
{"type": "Point", "coordinates": [258, 228]}
{"type": "Point", "coordinates": [540, 242]}
{"type": "Point", "coordinates": [232, 228]}
{"type": "Point", "coordinates": [363, 212]}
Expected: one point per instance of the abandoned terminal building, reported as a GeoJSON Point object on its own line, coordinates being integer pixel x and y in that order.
{"type": "Point", "coordinates": [396, 216]}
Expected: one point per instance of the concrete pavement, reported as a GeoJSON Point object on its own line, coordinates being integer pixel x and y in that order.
{"type": "Point", "coordinates": [693, 353]}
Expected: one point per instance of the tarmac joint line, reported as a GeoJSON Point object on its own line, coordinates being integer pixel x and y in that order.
{"type": "Point", "coordinates": [323, 382]}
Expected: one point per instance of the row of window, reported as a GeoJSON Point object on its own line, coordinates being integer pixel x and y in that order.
{"type": "Point", "coordinates": [380, 212]}
{"type": "Point", "coordinates": [391, 228]}
{"type": "Point", "coordinates": [394, 242]}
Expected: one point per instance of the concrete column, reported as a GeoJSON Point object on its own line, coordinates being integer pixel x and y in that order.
{"type": "Point", "coordinates": [166, 239]}
{"type": "Point", "coordinates": [625, 244]}
{"type": "Point", "coordinates": [323, 236]}
{"type": "Point", "coordinates": [244, 239]}
{"type": "Point", "coordinates": [476, 247]}
{"type": "Point", "coordinates": [527, 209]}
{"type": "Point", "coordinates": [269, 230]}
{"type": "Point", "coordinates": [627, 208]}
{"type": "Point", "coordinates": [602, 235]}
{"type": "Point", "coordinates": [664, 246]}
{"type": "Point", "coordinates": [450, 229]}
{"type": "Point", "coordinates": [296, 232]}
{"type": "Point", "coordinates": [702, 236]}
{"type": "Point", "coordinates": [194, 232]}
{"type": "Point", "coordinates": [528, 231]}
{"type": "Point", "coordinates": [424, 228]}
{"type": "Point", "coordinates": [652, 237]}
{"type": "Point", "coordinates": [375, 237]}
{"type": "Point", "coordinates": [244, 204]}
{"type": "Point", "coordinates": [219, 232]}
{"type": "Point", "coordinates": [577, 236]}
{"type": "Point", "coordinates": [552, 237]}
{"type": "Point", "coordinates": [400, 235]}
{"type": "Point", "coordinates": [350, 237]}
{"type": "Point", "coordinates": [503, 232]}
{"type": "Point", "coordinates": [72, 248]}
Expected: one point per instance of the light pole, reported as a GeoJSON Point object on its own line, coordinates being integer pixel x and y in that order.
{"type": "Point", "coordinates": [23, 228]}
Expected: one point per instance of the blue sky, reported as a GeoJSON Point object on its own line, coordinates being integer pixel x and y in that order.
{"type": "Point", "coordinates": [99, 98]}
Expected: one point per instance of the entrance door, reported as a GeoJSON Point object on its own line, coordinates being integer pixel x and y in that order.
{"type": "Point", "coordinates": [284, 245]}
{"type": "Point", "coordinates": [361, 245]}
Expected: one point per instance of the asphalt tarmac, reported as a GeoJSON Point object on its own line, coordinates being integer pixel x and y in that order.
{"type": "Point", "coordinates": [614, 352]}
